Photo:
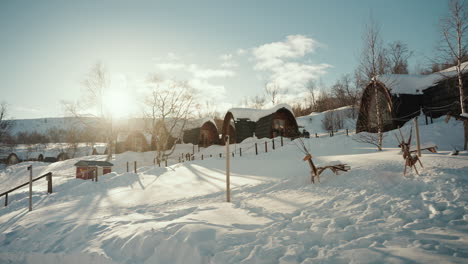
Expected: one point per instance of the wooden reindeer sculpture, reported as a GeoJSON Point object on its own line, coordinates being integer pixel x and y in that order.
{"type": "Point", "coordinates": [317, 171]}
{"type": "Point", "coordinates": [410, 159]}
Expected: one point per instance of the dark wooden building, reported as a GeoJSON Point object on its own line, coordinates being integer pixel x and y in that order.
{"type": "Point", "coordinates": [88, 169]}
{"type": "Point", "coordinates": [134, 141]}
{"type": "Point", "coordinates": [242, 123]}
{"type": "Point", "coordinates": [401, 97]}
{"type": "Point", "coordinates": [205, 134]}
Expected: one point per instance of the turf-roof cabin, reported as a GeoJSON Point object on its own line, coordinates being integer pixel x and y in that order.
{"type": "Point", "coordinates": [203, 133]}
{"type": "Point", "coordinates": [242, 123]}
{"type": "Point", "coordinates": [401, 97]}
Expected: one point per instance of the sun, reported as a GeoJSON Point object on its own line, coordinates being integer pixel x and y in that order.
{"type": "Point", "coordinates": [118, 104]}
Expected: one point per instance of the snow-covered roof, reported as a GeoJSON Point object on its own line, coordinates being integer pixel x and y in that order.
{"type": "Point", "coordinates": [415, 84]}
{"type": "Point", "coordinates": [196, 123]}
{"type": "Point", "coordinates": [255, 114]}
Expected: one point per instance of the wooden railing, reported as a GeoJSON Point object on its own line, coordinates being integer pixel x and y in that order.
{"type": "Point", "coordinates": [49, 186]}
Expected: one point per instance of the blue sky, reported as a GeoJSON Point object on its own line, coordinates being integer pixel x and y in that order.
{"type": "Point", "coordinates": [226, 49]}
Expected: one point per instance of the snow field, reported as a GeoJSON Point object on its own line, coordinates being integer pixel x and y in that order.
{"type": "Point", "coordinates": [178, 214]}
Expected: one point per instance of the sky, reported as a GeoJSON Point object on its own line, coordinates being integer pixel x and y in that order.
{"type": "Point", "coordinates": [225, 50]}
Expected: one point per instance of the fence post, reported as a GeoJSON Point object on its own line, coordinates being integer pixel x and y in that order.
{"type": "Point", "coordinates": [273, 143]}
{"type": "Point", "coordinates": [233, 154]}
{"type": "Point", "coordinates": [134, 166]}
{"type": "Point", "coordinates": [30, 187]}
{"type": "Point", "coordinates": [165, 161]}
{"type": "Point", "coordinates": [193, 149]}
{"type": "Point", "coordinates": [159, 163]}
{"type": "Point", "coordinates": [256, 149]}
{"type": "Point", "coordinates": [266, 147]}
{"type": "Point", "coordinates": [240, 152]}
{"type": "Point", "coordinates": [127, 166]}
{"type": "Point", "coordinates": [281, 139]}
{"type": "Point", "coordinates": [316, 135]}
{"type": "Point", "coordinates": [220, 155]}
{"type": "Point", "coordinates": [154, 161]}
{"type": "Point", "coordinates": [347, 133]}
{"type": "Point", "coordinates": [417, 136]}
{"type": "Point", "coordinates": [96, 174]}
{"type": "Point", "coordinates": [198, 146]}
{"type": "Point", "coordinates": [211, 156]}
{"type": "Point", "coordinates": [201, 156]}
{"type": "Point", "coordinates": [426, 118]}
{"type": "Point", "coordinates": [6, 199]}
{"type": "Point", "coordinates": [228, 183]}
{"type": "Point", "coordinates": [49, 183]}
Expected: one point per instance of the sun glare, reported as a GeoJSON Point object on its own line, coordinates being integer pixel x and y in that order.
{"type": "Point", "coordinates": [118, 104]}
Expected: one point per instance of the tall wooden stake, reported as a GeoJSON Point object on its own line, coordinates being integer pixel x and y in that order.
{"type": "Point", "coordinates": [418, 142]}
{"type": "Point", "coordinates": [228, 184]}
{"type": "Point", "coordinates": [30, 187]}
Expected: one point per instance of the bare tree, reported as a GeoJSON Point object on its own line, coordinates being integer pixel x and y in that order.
{"type": "Point", "coordinates": [368, 138]}
{"type": "Point", "coordinates": [169, 105]}
{"type": "Point", "coordinates": [372, 64]}
{"type": "Point", "coordinates": [454, 31]}
{"type": "Point", "coordinates": [5, 124]}
{"type": "Point", "coordinates": [397, 56]}
{"type": "Point", "coordinates": [95, 84]}
{"type": "Point", "coordinates": [311, 88]}
{"type": "Point", "coordinates": [272, 91]}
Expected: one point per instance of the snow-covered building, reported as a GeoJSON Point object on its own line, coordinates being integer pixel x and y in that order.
{"type": "Point", "coordinates": [203, 132]}
{"type": "Point", "coordinates": [400, 97]}
{"type": "Point", "coordinates": [133, 141]}
{"type": "Point", "coordinates": [242, 123]}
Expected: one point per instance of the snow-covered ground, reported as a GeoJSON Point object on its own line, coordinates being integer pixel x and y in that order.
{"type": "Point", "coordinates": [178, 214]}
{"type": "Point", "coordinates": [313, 122]}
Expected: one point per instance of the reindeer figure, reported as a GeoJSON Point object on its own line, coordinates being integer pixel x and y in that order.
{"type": "Point", "coordinates": [410, 159]}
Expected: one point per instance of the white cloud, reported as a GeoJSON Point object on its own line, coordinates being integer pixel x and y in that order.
{"type": "Point", "coordinates": [272, 54]}
{"type": "Point", "coordinates": [206, 73]}
{"type": "Point", "coordinates": [241, 51]}
{"type": "Point", "coordinates": [284, 62]}
{"type": "Point", "coordinates": [170, 66]}
{"type": "Point", "coordinates": [226, 57]}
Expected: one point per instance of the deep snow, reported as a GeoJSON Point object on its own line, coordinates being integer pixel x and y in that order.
{"type": "Point", "coordinates": [372, 214]}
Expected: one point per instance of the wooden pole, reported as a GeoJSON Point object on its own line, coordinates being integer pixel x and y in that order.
{"type": "Point", "coordinates": [134, 166]}
{"type": "Point", "coordinates": [240, 152]}
{"type": "Point", "coordinates": [273, 143]}
{"type": "Point", "coordinates": [266, 147]}
{"type": "Point", "coordinates": [198, 146]}
{"type": "Point", "coordinates": [6, 199]}
{"type": "Point", "coordinates": [49, 183]}
{"type": "Point", "coordinates": [418, 142]}
{"type": "Point", "coordinates": [127, 166]}
{"type": "Point", "coordinates": [221, 155]}
{"type": "Point", "coordinates": [228, 184]}
{"type": "Point", "coordinates": [347, 133]}
{"type": "Point", "coordinates": [193, 149]}
{"type": "Point", "coordinates": [96, 174]}
{"type": "Point", "coordinates": [256, 149]}
{"type": "Point", "coordinates": [30, 187]}
{"type": "Point", "coordinates": [159, 163]}
{"type": "Point", "coordinates": [201, 156]}
{"type": "Point", "coordinates": [316, 135]}
{"type": "Point", "coordinates": [165, 162]}
{"type": "Point", "coordinates": [154, 161]}
{"type": "Point", "coordinates": [233, 154]}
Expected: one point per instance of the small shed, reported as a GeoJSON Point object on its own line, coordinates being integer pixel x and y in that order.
{"type": "Point", "coordinates": [241, 123]}
{"type": "Point", "coordinates": [88, 169]}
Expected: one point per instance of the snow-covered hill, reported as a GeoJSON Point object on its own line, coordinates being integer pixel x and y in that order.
{"type": "Point", "coordinates": [178, 214]}
{"type": "Point", "coordinates": [313, 123]}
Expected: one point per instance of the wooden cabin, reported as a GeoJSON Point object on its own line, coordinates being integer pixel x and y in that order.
{"type": "Point", "coordinates": [88, 169]}
{"type": "Point", "coordinates": [205, 134]}
{"type": "Point", "coordinates": [401, 97]}
{"type": "Point", "coordinates": [242, 123]}
{"type": "Point", "coordinates": [134, 141]}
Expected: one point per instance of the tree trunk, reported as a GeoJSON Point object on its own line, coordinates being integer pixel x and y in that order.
{"type": "Point", "coordinates": [465, 123]}
{"type": "Point", "coordinates": [379, 118]}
